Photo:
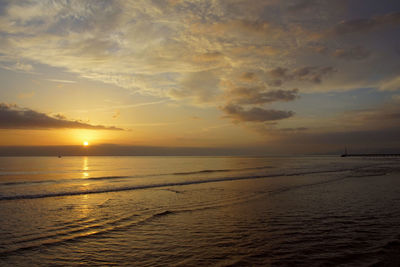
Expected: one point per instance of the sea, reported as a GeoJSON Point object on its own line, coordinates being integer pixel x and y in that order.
{"type": "Point", "coordinates": [200, 211]}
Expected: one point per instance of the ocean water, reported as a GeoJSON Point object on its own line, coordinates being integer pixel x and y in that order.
{"type": "Point", "coordinates": [199, 211]}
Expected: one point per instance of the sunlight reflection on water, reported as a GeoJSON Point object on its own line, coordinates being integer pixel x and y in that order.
{"type": "Point", "coordinates": [244, 211]}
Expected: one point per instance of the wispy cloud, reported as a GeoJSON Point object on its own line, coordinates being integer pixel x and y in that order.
{"type": "Point", "coordinates": [61, 81]}
{"type": "Point", "coordinates": [116, 114]}
{"type": "Point", "coordinates": [119, 107]}
{"type": "Point", "coordinates": [364, 25]}
{"type": "Point", "coordinates": [18, 67]}
{"type": "Point", "coordinates": [391, 84]}
{"type": "Point", "coordinates": [357, 52]}
{"type": "Point", "coordinates": [311, 74]}
{"type": "Point", "coordinates": [353, 53]}
{"type": "Point", "coordinates": [26, 95]}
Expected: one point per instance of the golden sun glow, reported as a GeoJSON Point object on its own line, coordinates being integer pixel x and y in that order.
{"type": "Point", "coordinates": [85, 143]}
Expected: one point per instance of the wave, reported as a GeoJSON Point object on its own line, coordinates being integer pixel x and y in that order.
{"type": "Point", "coordinates": [11, 172]}
{"type": "Point", "coordinates": [164, 213]}
{"type": "Point", "coordinates": [160, 185]}
{"type": "Point", "coordinates": [222, 170]}
{"type": "Point", "coordinates": [200, 172]}
{"type": "Point", "coordinates": [65, 180]}
{"type": "Point", "coordinates": [106, 177]}
{"type": "Point", "coordinates": [82, 231]}
{"type": "Point", "coordinates": [131, 176]}
{"type": "Point", "coordinates": [28, 182]}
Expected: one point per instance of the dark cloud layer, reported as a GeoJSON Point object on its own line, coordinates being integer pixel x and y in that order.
{"type": "Point", "coordinates": [353, 53]}
{"type": "Point", "coordinates": [357, 52]}
{"type": "Point", "coordinates": [259, 96]}
{"type": "Point", "coordinates": [302, 5]}
{"type": "Point", "coordinates": [367, 24]}
{"type": "Point", "coordinates": [308, 73]}
{"type": "Point", "coordinates": [255, 114]}
{"type": "Point", "coordinates": [14, 117]}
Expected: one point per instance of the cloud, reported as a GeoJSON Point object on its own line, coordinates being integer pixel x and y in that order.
{"type": "Point", "coordinates": [194, 117]}
{"type": "Point", "coordinates": [391, 85]}
{"type": "Point", "coordinates": [18, 67]}
{"type": "Point", "coordinates": [59, 116]}
{"type": "Point", "coordinates": [255, 114]}
{"type": "Point", "coordinates": [311, 74]}
{"type": "Point", "coordinates": [115, 107]}
{"type": "Point", "coordinates": [380, 118]}
{"type": "Point", "coordinates": [371, 130]}
{"type": "Point", "coordinates": [154, 46]}
{"type": "Point", "coordinates": [26, 95]}
{"type": "Point", "coordinates": [298, 129]}
{"type": "Point", "coordinates": [248, 76]}
{"type": "Point", "coordinates": [116, 114]}
{"type": "Point", "coordinates": [396, 98]}
{"type": "Point", "coordinates": [321, 49]}
{"type": "Point", "coordinates": [14, 117]}
{"type": "Point", "coordinates": [353, 53]}
{"type": "Point", "coordinates": [149, 46]}
{"type": "Point", "coordinates": [381, 124]}
{"type": "Point", "coordinates": [237, 28]}
{"type": "Point", "coordinates": [302, 5]}
{"type": "Point", "coordinates": [201, 87]}
{"type": "Point", "coordinates": [61, 81]}
{"type": "Point", "coordinates": [357, 52]}
{"type": "Point", "coordinates": [23, 67]}
{"type": "Point", "coordinates": [364, 25]}
{"type": "Point", "coordinates": [385, 117]}
{"type": "Point", "coordinates": [243, 95]}
{"type": "Point", "coordinates": [208, 57]}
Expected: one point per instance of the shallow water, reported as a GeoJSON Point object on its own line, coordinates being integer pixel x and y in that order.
{"type": "Point", "coordinates": [193, 211]}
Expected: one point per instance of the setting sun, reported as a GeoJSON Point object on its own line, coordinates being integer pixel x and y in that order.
{"type": "Point", "coordinates": [85, 143]}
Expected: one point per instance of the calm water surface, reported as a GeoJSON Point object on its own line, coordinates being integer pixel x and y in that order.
{"type": "Point", "coordinates": [195, 211]}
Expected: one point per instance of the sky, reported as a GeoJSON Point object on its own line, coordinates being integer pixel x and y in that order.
{"type": "Point", "coordinates": [293, 76]}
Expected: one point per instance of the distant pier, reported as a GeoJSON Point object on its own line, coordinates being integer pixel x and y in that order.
{"type": "Point", "coordinates": [370, 155]}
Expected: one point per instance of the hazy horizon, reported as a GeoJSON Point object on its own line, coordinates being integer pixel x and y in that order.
{"type": "Point", "coordinates": [123, 150]}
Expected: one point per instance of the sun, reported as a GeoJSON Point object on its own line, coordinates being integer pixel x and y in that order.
{"type": "Point", "coordinates": [85, 143]}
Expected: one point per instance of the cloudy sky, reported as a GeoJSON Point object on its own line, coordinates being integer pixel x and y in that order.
{"type": "Point", "coordinates": [286, 76]}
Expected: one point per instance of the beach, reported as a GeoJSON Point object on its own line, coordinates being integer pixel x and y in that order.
{"type": "Point", "coordinates": [197, 211]}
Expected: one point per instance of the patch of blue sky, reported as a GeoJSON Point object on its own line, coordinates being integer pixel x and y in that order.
{"type": "Point", "coordinates": [323, 104]}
